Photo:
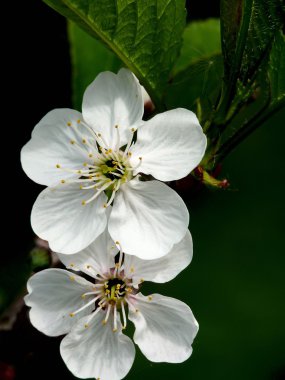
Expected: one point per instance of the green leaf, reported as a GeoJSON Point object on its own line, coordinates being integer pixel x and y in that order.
{"type": "Point", "coordinates": [277, 69]}
{"type": "Point", "coordinates": [89, 57]}
{"type": "Point", "coordinates": [197, 87]}
{"type": "Point", "coordinates": [145, 35]}
{"type": "Point", "coordinates": [248, 28]}
{"type": "Point", "coordinates": [201, 39]}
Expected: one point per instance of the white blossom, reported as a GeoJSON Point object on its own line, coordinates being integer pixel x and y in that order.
{"type": "Point", "coordinates": [100, 158]}
{"type": "Point", "coordinates": [95, 312]}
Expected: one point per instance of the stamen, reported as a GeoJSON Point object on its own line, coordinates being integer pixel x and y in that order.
{"type": "Point", "coordinates": [124, 315]}
{"type": "Point", "coordinates": [84, 306]}
{"type": "Point", "coordinates": [137, 166]}
{"type": "Point", "coordinates": [107, 315]}
{"type": "Point", "coordinates": [92, 316]}
{"type": "Point", "coordinates": [99, 136]}
{"type": "Point", "coordinates": [115, 319]}
{"type": "Point", "coordinates": [99, 192]}
{"type": "Point", "coordinates": [118, 142]}
{"type": "Point", "coordinates": [129, 143]}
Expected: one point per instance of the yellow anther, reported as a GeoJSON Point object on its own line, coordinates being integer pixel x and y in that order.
{"type": "Point", "coordinates": [90, 177]}
{"type": "Point", "coordinates": [86, 325]}
{"type": "Point", "coordinates": [69, 124]}
{"type": "Point", "coordinates": [83, 141]}
{"type": "Point", "coordinates": [72, 278]}
{"type": "Point", "coordinates": [88, 266]}
{"type": "Point", "coordinates": [141, 280]}
{"type": "Point", "coordinates": [129, 154]}
{"type": "Point", "coordinates": [129, 290]}
{"type": "Point", "coordinates": [104, 322]}
{"type": "Point", "coordinates": [79, 171]}
{"type": "Point", "coordinates": [115, 330]}
{"type": "Point", "coordinates": [71, 265]}
{"type": "Point", "coordinates": [85, 164]}
{"type": "Point", "coordinates": [99, 135]}
{"type": "Point", "coordinates": [78, 121]}
{"type": "Point", "coordinates": [71, 314]}
{"type": "Point", "coordinates": [109, 151]}
{"type": "Point", "coordinates": [97, 175]}
{"type": "Point", "coordinates": [137, 310]}
{"type": "Point", "coordinates": [62, 181]}
{"type": "Point", "coordinates": [149, 298]}
{"type": "Point", "coordinates": [106, 284]}
{"type": "Point", "coordinates": [117, 242]}
{"type": "Point", "coordinates": [133, 130]}
{"type": "Point", "coordinates": [57, 166]}
{"type": "Point", "coordinates": [72, 142]}
{"type": "Point", "coordinates": [116, 126]}
{"type": "Point", "coordinates": [124, 327]}
{"type": "Point", "coordinates": [80, 187]}
{"type": "Point", "coordinates": [117, 265]}
{"type": "Point", "coordinates": [105, 205]}
{"type": "Point", "coordinates": [83, 296]}
{"type": "Point", "coordinates": [83, 203]}
{"type": "Point", "coordinates": [140, 158]}
{"type": "Point", "coordinates": [107, 291]}
{"type": "Point", "coordinates": [118, 286]}
{"type": "Point", "coordinates": [90, 155]}
{"type": "Point", "coordinates": [132, 269]}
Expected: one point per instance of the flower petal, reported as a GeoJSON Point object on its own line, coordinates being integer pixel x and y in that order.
{"type": "Point", "coordinates": [171, 145]}
{"type": "Point", "coordinates": [59, 217]}
{"type": "Point", "coordinates": [165, 328]}
{"type": "Point", "coordinates": [163, 269]}
{"type": "Point", "coordinates": [53, 295]}
{"type": "Point", "coordinates": [96, 351]}
{"type": "Point", "coordinates": [50, 145]}
{"type": "Point", "coordinates": [148, 218]}
{"type": "Point", "coordinates": [113, 100]}
{"type": "Point", "coordinates": [97, 258]}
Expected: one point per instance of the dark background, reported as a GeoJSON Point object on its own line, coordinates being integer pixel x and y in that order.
{"type": "Point", "coordinates": [235, 284]}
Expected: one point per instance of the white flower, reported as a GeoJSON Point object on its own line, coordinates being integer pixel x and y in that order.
{"type": "Point", "coordinates": [93, 159]}
{"type": "Point", "coordinates": [94, 314]}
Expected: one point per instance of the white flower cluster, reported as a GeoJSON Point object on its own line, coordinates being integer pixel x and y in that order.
{"type": "Point", "coordinates": [109, 216]}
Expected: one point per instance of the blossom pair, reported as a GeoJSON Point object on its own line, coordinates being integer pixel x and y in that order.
{"type": "Point", "coordinates": [103, 169]}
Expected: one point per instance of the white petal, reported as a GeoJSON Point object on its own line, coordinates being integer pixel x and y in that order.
{"type": "Point", "coordinates": [59, 217]}
{"type": "Point", "coordinates": [148, 218]}
{"type": "Point", "coordinates": [171, 145]}
{"type": "Point", "coordinates": [113, 100]}
{"type": "Point", "coordinates": [50, 146]}
{"type": "Point", "coordinates": [165, 328]}
{"type": "Point", "coordinates": [53, 295]}
{"type": "Point", "coordinates": [96, 351]}
{"type": "Point", "coordinates": [97, 258]}
{"type": "Point", "coordinates": [163, 269]}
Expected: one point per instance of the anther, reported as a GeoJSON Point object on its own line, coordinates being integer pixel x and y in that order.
{"type": "Point", "coordinates": [83, 203]}
{"type": "Point", "coordinates": [83, 141]}
{"type": "Point", "coordinates": [57, 166]}
{"type": "Point", "coordinates": [149, 298]}
{"type": "Point", "coordinates": [69, 124]}
{"type": "Point", "coordinates": [78, 121]}
{"type": "Point", "coordinates": [72, 278]}
{"type": "Point", "coordinates": [71, 314]}
{"type": "Point", "coordinates": [86, 325]}
{"type": "Point", "coordinates": [62, 181]}
{"type": "Point", "coordinates": [72, 142]}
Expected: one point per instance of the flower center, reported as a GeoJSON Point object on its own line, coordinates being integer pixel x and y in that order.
{"type": "Point", "coordinates": [105, 170]}
{"type": "Point", "coordinates": [112, 293]}
{"type": "Point", "coordinates": [115, 290]}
